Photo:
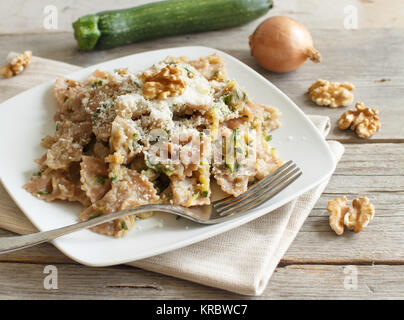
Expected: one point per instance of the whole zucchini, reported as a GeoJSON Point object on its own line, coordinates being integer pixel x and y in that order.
{"type": "Point", "coordinates": [110, 29]}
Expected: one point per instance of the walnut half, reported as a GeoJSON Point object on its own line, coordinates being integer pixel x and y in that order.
{"type": "Point", "coordinates": [356, 217]}
{"type": "Point", "coordinates": [359, 216]}
{"type": "Point", "coordinates": [338, 208]}
{"type": "Point", "coordinates": [163, 84]}
{"type": "Point", "coordinates": [364, 121]}
{"type": "Point", "coordinates": [331, 94]}
{"type": "Point", "coordinates": [16, 64]}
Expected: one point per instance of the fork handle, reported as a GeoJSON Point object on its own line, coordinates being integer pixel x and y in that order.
{"type": "Point", "coordinates": [8, 244]}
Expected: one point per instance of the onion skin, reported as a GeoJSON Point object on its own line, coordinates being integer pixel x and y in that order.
{"type": "Point", "coordinates": [281, 44]}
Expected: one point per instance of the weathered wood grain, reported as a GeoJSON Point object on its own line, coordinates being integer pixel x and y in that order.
{"type": "Point", "coordinates": [28, 16]}
{"type": "Point", "coordinates": [25, 281]}
{"type": "Point", "coordinates": [355, 60]}
{"type": "Point", "coordinates": [372, 160]}
{"type": "Point", "coordinates": [44, 253]}
{"type": "Point", "coordinates": [381, 242]}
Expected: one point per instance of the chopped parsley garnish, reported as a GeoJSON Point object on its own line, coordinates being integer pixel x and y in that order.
{"type": "Point", "coordinates": [205, 193]}
{"type": "Point", "coordinates": [168, 171]}
{"type": "Point", "coordinates": [66, 98]}
{"type": "Point", "coordinates": [150, 165]}
{"type": "Point", "coordinates": [190, 74]}
{"type": "Point", "coordinates": [268, 137]}
{"type": "Point", "coordinates": [233, 166]}
{"type": "Point", "coordinates": [98, 111]}
{"type": "Point", "coordinates": [44, 192]}
{"type": "Point", "coordinates": [227, 99]}
{"type": "Point", "coordinates": [95, 215]}
{"type": "Point", "coordinates": [95, 115]}
{"type": "Point", "coordinates": [234, 137]}
{"type": "Point", "coordinates": [134, 142]}
{"type": "Point", "coordinates": [100, 179]}
{"type": "Point", "coordinates": [96, 83]}
{"type": "Point", "coordinates": [124, 226]}
{"type": "Point", "coordinates": [216, 74]}
{"type": "Point", "coordinates": [113, 177]}
{"type": "Point", "coordinates": [158, 167]}
{"type": "Point", "coordinates": [57, 126]}
{"type": "Point", "coordinates": [230, 166]}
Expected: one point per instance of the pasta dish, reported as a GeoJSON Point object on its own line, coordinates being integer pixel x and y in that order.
{"type": "Point", "coordinates": [163, 135]}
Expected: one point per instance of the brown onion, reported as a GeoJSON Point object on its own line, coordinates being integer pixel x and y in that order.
{"type": "Point", "coordinates": [282, 44]}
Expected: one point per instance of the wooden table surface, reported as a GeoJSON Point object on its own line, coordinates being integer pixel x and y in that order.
{"type": "Point", "coordinates": [315, 266]}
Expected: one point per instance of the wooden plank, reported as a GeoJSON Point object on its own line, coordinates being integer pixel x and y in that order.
{"type": "Point", "coordinates": [43, 253]}
{"type": "Point", "coordinates": [11, 217]}
{"type": "Point", "coordinates": [327, 282]}
{"type": "Point", "coordinates": [381, 242]}
{"type": "Point", "coordinates": [388, 205]}
{"type": "Point", "coordinates": [372, 160]}
{"type": "Point", "coordinates": [25, 281]}
{"type": "Point", "coordinates": [25, 16]}
{"type": "Point", "coordinates": [352, 60]}
{"type": "Point", "coordinates": [343, 184]}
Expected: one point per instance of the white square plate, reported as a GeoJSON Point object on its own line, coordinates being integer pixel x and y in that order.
{"type": "Point", "coordinates": [27, 117]}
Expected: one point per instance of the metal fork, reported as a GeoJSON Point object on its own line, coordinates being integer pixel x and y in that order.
{"type": "Point", "coordinates": [217, 212]}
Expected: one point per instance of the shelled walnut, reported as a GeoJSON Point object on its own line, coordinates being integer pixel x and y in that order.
{"type": "Point", "coordinates": [356, 217]}
{"type": "Point", "coordinates": [338, 208]}
{"type": "Point", "coordinates": [359, 216]}
{"type": "Point", "coordinates": [16, 64]}
{"type": "Point", "coordinates": [166, 83]}
{"type": "Point", "coordinates": [364, 121]}
{"type": "Point", "coordinates": [331, 94]}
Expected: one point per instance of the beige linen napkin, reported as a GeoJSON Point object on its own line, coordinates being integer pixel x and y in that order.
{"type": "Point", "coordinates": [240, 260]}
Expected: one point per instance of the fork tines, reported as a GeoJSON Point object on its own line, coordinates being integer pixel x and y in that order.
{"type": "Point", "coordinates": [261, 191]}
